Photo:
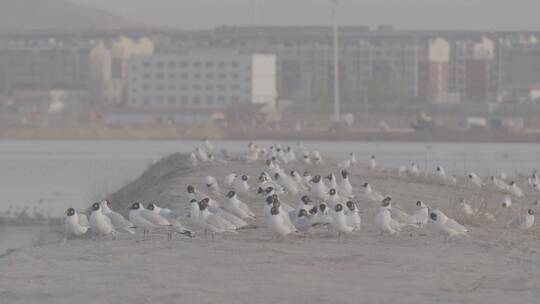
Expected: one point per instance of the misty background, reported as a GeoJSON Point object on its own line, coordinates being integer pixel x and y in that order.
{"type": "Point", "coordinates": [405, 14]}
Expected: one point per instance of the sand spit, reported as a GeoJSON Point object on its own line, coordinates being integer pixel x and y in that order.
{"type": "Point", "coordinates": [491, 265]}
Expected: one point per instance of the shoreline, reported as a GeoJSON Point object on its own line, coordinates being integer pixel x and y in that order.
{"type": "Point", "coordinates": [366, 135]}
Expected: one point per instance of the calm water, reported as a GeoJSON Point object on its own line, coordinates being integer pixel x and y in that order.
{"type": "Point", "coordinates": [53, 175]}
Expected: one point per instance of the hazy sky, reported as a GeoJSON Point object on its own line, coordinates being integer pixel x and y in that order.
{"type": "Point", "coordinates": [416, 14]}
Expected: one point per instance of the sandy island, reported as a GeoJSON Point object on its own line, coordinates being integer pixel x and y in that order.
{"type": "Point", "coordinates": [491, 265]}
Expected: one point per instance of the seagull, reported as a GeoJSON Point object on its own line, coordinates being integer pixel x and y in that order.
{"type": "Point", "coordinates": [305, 203]}
{"type": "Point", "coordinates": [287, 183]}
{"type": "Point", "coordinates": [201, 155]}
{"type": "Point", "coordinates": [522, 222]}
{"type": "Point", "coordinates": [117, 220]}
{"type": "Point", "coordinates": [276, 223]}
{"type": "Point", "coordinates": [318, 189]}
{"type": "Point", "coordinates": [332, 183]}
{"type": "Point", "coordinates": [208, 145]}
{"type": "Point", "coordinates": [317, 158]}
{"type": "Point", "coordinates": [334, 198]}
{"type": "Point", "coordinates": [339, 221]}
{"type": "Point", "coordinates": [307, 179]}
{"type": "Point", "coordinates": [353, 158]}
{"type": "Point", "coordinates": [475, 179]}
{"type": "Point", "coordinates": [465, 208]}
{"type": "Point", "coordinates": [237, 207]}
{"type": "Point", "coordinates": [372, 194]}
{"type": "Point", "coordinates": [193, 162]}
{"type": "Point", "coordinates": [228, 180]}
{"type": "Point", "coordinates": [299, 180]}
{"type": "Point", "coordinates": [72, 225]}
{"type": "Point", "coordinates": [500, 184]}
{"type": "Point", "coordinates": [240, 185]}
{"type": "Point", "coordinates": [140, 221]}
{"type": "Point", "coordinates": [421, 215]}
{"type": "Point", "coordinates": [441, 173]}
{"type": "Point", "coordinates": [384, 221]}
{"type": "Point", "coordinates": [290, 154]}
{"type": "Point", "coordinates": [305, 158]}
{"type": "Point", "coordinates": [323, 216]}
{"type": "Point", "coordinates": [172, 217]}
{"type": "Point", "coordinates": [212, 222]}
{"type": "Point", "coordinates": [99, 223]}
{"type": "Point", "coordinates": [353, 216]}
{"type": "Point", "coordinates": [373, 163]}
{"type": "Point", "coordinates": [446, 225]}
{"type": "Point", "coordinates": [302, 222]}
{"type": "Point", "coordinates": [344, 186]}
{"type": "Point", "coordinates": [515, 189]}
{"type": "Point", "coordinates": [414, 169]}
{"type": "Point", "coordinates": [212, 185]}
{"type": "Point", "coordinates": [507, 201]}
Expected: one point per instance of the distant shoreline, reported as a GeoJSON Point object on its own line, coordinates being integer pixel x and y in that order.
{"type": "Point", "coordinates": [368, 135]}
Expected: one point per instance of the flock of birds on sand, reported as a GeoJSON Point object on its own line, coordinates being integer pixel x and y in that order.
{"type": "Point", "coordinates": [322, 202]}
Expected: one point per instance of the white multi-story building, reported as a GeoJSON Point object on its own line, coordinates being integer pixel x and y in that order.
{"type": "Point", "coordinates": [201, 79]}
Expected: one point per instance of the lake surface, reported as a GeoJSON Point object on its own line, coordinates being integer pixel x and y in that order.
{"type": "Point", "coordinates": [50, 176]}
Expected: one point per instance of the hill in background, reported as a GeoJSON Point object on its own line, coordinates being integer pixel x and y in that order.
{"type": "Point", "coordinates": [42, 15]}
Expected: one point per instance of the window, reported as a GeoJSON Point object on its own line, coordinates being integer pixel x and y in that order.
{"type": "Point", "coordinates": [172, 64]}
{"type": "Point", "coordinates": [159, 99]}
{"type": "Point", "coordinates": [221, 76]}
{"type": "Point", "coordinates": [184, 99]}
{"type": "Point", "coordinates": [209, 100]}
{"type": "Point", "coordinates": [146, 86]}
{"type": "Point", "coordinates": [235, 76]}
{"type": "Point", "coordinates": [197, 100]}
{"type": "Point", "coordinates": [221, 64]}
{"type": "Point", "coordinates": [146, 100]}
{"type": "Point", "coordinates": [160, 75]}
{"type": "Point", "coordinates": [235, 64]}
{"type": "Point", "coordinates": [159, 87]}
{"type": "Point", "coordinates": [197, 76]}
{"type": "Point", "coordinates": [147, 76]}
{"type": "Point", "coordinates": [172, 76]}
{"type": "Point", "coordinates": [147, 64]}
{"type": "Point", "coordinates": [171, 99]}
{"type": "Point", "coordinates": [171, 87]}
{"type": "Point", "coordinates": [221, 87]}
{"type": "Point", "coordinates": [209, 64]}
{"type": "Point", "coordinates": [196, 64]}
{"type": "Point", "coordinates": [196, 87]}
{"type": "Point", "coordinates": [185, 76]}
{"type": "Point", "coordinates": [185, 64]}
{"type": "Point", "coordinates": [160, 64]}
{"type": "Point", "coordinates": [209, 86]}
{"type": "Point", "coordinates": [234, 87]}
{"type": "Point", "coordinates": [209, 76]}
{"type": "Point", "coordinates": [221, 98]}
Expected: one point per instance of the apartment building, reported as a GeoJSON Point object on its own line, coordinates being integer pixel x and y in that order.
{"type": "Point", "coordinates": [210, 78]}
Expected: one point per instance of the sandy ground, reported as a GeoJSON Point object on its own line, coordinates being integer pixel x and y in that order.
{"type": "Point", "coordinates": [491, 265]}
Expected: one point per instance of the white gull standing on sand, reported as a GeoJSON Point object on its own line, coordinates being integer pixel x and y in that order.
{"type": "Point", "coordinates": [353, 215]}
{"type": "Point", "coordinates": [277, 224]}
{"type": "Point", "coordinates": [117, 220]}
{"type": "Point", "coordinates": [142, 222]}
{"type": "Point", "coordinates": [237, 207]}
{"type": "Point", "coordinates": [449, 227]}
{"type": "Point", "coordinates": [99, 223]}
{"type": "Point", "coordinates": [72, 225]}
{"type": "Point", "coordinates": [522, 222]}
{"type": "Point", "coordinates": [339, 221]}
